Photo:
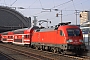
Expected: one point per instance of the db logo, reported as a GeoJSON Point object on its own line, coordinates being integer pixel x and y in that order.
{"type": "Point", "coordinates": [75, 40]}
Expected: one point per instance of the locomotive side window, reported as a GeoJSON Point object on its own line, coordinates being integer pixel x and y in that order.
{"type": "Point", "coordinates": [73, 32]}
{"type": "Point", "coordinates": [26, 36]}
{"type": "Point", "coordinates": [61, 33]}
{"type": "Point", "coordinates": [37, 30]}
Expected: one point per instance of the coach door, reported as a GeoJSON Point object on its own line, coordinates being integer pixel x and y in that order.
{"type": "Point", "coordinates": [4, 38]}
{"type": "Point", "coordinates": [18, 38]}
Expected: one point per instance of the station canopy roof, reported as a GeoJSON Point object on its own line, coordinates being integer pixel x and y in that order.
{"type": "Point", "coordinates": [11, 19]}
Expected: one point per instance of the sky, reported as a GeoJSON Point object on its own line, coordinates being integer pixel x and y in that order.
{"type": "Point", "coordinates": [45, 9]}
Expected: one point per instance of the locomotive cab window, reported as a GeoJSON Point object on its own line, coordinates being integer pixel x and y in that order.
{"type": "Point", "coordinates": [73, 32]}
{"type": "Point", "coordinates": [61, 33]}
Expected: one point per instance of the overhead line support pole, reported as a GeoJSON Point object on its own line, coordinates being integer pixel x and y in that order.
{"type": "Point", "coordinates": [76, 17]}
{"type": "Point", "coordinates": [61, 16]}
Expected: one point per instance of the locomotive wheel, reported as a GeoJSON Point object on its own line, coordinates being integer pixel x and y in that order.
{"type": "Point", "coordinates": [33, 46]}
{"type": "Point", "coordinates": [46, 48]}
{"type": "Point", "coordinates": [59, 50]}
{"type": "Point", "coordinates": [40, 47]}
{"type": "Point", "coordinates": [63, 52]}
{"type": "Point", "coordinates": [36, 47]}
{"type": "Point", "coordinates": [49, 49]}
{"type": "Point", "coordinates": [54, 50]}
{"type": "Point", "coordinates": [43, 48]}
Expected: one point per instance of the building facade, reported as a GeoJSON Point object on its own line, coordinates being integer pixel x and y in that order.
{"type": "Point", "coordinates": [84, 16]}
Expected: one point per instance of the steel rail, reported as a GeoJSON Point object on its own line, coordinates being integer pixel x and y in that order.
{"type": "Point", "coordinates": [29, 54]}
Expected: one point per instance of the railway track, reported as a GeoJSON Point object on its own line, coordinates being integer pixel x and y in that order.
{"type": "Point", "coordinates": [42, 55]}
{"type": "Point", "coordinates": [71, 57]}
{"type": "Point", "coordinates": [28, 54]}
{"type": "Point", "coordinates": [7, 56]}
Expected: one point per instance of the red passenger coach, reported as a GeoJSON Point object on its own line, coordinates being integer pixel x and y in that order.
{"type": "Point", "coordinates": [7, 37]}
{"type": "Point", "coordinates": [21, 36]}
{"type": "Point", "coordinates": [10, 38]}
{"type": "Point", "coordinates": [4, 37]}
{"type": "Point", "coordinates": [27, 36]}
{"type": "Point", "coordinates": [0, 37]}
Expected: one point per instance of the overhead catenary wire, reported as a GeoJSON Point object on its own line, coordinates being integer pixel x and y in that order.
{"type": "Point", "coordinates": [62, 4]}
{"type": "Point", "coordinates": [76, 11]}
{"type": "Point", "coordinates": [58, 5]}
{"type": "Point", "coordinates": [53, 3]}
{"type": "Point", "coordinates": [54, 6]}
{"type": "Point", "coordinates": [61, 9]}
{"type": "Point", "coordinates": [41, 4]}
{"type": "Point", "coordinates": [73, 5]}
{"type": "Point", "coordinates": [82, 6]}
{"type": "Point", "coordinates": [68, 14]}
{"type": "Point", "coordinates": [13, 2]}
{"type": "Point", "coordinates": [32, 3]}
{"type": "Point", "coordinates": [68, 10]}
{"type": "Point", "coordinates": [5, 2]}
{"type": "Point", "coordinates": [37, 13]}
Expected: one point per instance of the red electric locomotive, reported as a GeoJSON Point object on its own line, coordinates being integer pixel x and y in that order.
{"type": "Point", "coordinates": [62, 38]}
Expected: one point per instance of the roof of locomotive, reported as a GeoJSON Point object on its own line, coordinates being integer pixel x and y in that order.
{"type": "Point", "coordinates": [67, 26]}
{"type": "Point", "coordinates": [56, 28]}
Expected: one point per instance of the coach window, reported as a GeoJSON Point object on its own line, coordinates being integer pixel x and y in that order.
{"type": "Point", "coordinates": [61, 33]}
{"type": "Point", "coordinates": [10, 37]}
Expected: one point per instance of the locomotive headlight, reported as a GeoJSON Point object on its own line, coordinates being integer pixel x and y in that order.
{"type": "Point", "coordinates": [68, 41]}
{"type": "Point", "coordinates": [81, 41]}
